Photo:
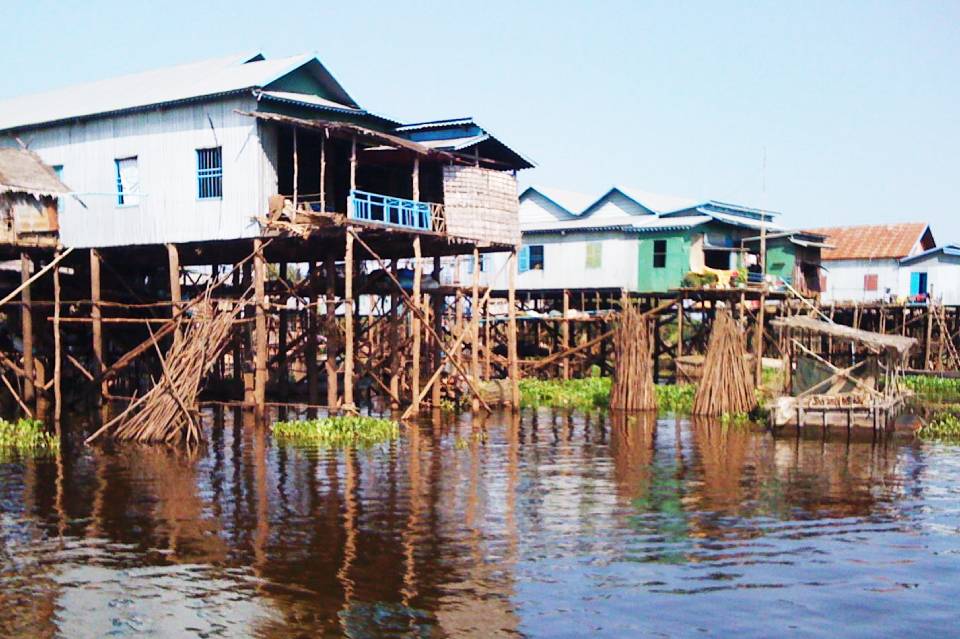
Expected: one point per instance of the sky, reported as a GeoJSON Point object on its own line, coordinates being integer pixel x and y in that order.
{"type": "Point", "coordinates": [828, 112]}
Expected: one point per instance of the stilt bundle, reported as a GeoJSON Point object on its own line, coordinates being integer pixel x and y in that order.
{"type": "Point", "coordinates": [727, 384]}
{"type": "Point", "coordinates": [633, 372]}
{"type": "Point", "coordinates": [167, 413]}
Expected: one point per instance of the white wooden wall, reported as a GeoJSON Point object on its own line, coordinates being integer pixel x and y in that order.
{"type": "Point", "coordinates": [943, 277]}
{"type": "Point", "coordinates": [845, 280]}
{"type": "Point", "coordinates": [165, 143]}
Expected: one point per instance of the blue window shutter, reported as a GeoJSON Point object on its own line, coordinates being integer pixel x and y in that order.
{"type": "Point", "coordinates": [524, 259]}
{"type": "Point", "coordinates": [914, 283]}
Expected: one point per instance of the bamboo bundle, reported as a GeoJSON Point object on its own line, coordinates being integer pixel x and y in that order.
{"type": "Point", "coordinates": [633, 371]}
{"type": "Point", "coordinates": [726, 387]}
{"type": "Point", "coordinates": [167, 412]}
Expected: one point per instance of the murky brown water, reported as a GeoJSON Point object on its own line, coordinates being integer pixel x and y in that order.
{"type": "Point", "coordinates": [551, 525]}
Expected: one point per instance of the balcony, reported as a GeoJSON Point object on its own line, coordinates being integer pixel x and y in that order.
{"type": "Point", "coordinates": [387, 210]}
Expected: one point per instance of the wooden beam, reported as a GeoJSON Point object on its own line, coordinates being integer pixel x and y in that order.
{"type": "Point", "coordinates": [26, 318]}
{"type": "Point", "coordinates": [475, 323]}
{"type": "Point", "coordinates": [415, 323]}
{"type": "Point", "coordinates": [260, 329]}
{"type": "Point", "coordinates": [57, 353]}
{"type": "Point", "coordinates": [348, 265]}
{"type": "Point", "coordinates": [333, 336]}
{"type": "Point", "coordinates": [513, 370]}
{"type": "Point", "coordinates": [96, 314]}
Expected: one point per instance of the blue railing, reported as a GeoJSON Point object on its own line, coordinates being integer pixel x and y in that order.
{"type": "Point", "coordinates": [391, 211]}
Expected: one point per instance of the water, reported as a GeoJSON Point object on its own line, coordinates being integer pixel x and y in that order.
{"type": "Point", "coordinates": [549, 525]}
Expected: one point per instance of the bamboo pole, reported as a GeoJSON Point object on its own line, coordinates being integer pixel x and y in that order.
{"type": "Point", "coordinates": [25, 266]}
{"type": "Point", "coordinates": [758, 340]}
{"type": "Point", "coordinates": [310, 351]}
{"type": "Point", "coordinates": [679, 332]}
{"type": "Point", "coordinates": [513, 368]}
{"type": "Point", "coordinates": [348, 265]}
{"type": "Point", "coordinates": [26, 318]}
{"type": "Point", "coordinates": [565, 334]}
{"type": "Point", "coordinates": [333, 395]}
{"type": "Point", "coordinates": [415, 324]}
{"type": "Point", "coordinates": [260, 331]}
{"type": "Point", "coordinates": [96, 314]}
{"type": "Point", "coordinates": [437, 324]}
{"type": "Point", "coordinates": [475, 323]}
{"type": "Point", "coordinates": [57, 354]}
{"type": "Point", "coordinates": [173, 262]}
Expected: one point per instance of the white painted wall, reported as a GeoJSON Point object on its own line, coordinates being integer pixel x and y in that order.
{"type": "Point", "coordinates": [565, 259]}
{"type": "Point", "coordinates": [165, 143]}
{"type": "Point", "coordinates": [845, 280]}
{"type": "Point", "coordinates": [943, 277]}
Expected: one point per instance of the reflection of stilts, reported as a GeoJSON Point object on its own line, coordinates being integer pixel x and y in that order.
{"type": "Point", "coordinates": [632, 449]}
{"type": "Point", "coordinates": [410, 533]}
{"type": "Point", "coordinates": [350, 531]}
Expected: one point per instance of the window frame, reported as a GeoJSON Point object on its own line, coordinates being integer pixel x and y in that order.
{"type": "Point", "coordinates": [661, 254]}
{"type": "Point", "coordinates": [597, 262]}
{"type": "Point", "coordinates": [209, 175]}
{"type": "Point", "coordinates": [132, 194]}
{"type": "Point", "coordinates": [871, 282]}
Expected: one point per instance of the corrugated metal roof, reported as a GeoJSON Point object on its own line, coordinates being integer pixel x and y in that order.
{"type": "Point", "coordinates": [653, 225]}
{"type": "Point", "coordinates": [739, 220]}
{"type": "Point", "coordinates": [435, 124]}
{"type": "Point", "coordinates": [874, 241]}
{"type": "Point", "coordinates": [658, 202]}
{"type": "Point", "coordinates": [570, 201]}
{"type": "Point", "coordinates": [952, 250]}
{"type": "Point", "coordinates": [22, 171]}
{"type": "Point", "coordinates": [308, 100]}
{"type": "Point", "coordinates": [174, 84]}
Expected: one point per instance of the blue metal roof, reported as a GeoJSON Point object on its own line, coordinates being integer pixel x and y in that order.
{"type": "Point", "coordinates": [953, 250]}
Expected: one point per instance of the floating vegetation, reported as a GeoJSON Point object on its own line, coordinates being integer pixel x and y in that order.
{"type": "Point", "coordinates": [594, 392]}
{"type": "Point", "coordinates": [26, 437]}
{"type": "Point", "coordinates": [338, 431]}
{"type": "Point", "coordinates": [586, 393]}
{"type": "Point", "coordinates": [944, 426]}
{"type": "Point", "coordinates": [675, 398]}
{"type": "Point", "coordinates": [735, 419]}
{"type": "Point", "coordinates": [940, 390]}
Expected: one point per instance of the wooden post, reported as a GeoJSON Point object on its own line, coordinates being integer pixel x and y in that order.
{"type": "Point", "coordinates": [173, 261]}
{"type": "Point", "coordinates": [475, 325]}
{"type": "Point", "coordinates": [323, 172]}
{"type": "Point", "coordinates": [415, 328]}
{"type": "Point", "coordinates": [929, 335]}
{"type": "Point", "coordinates": [487, 367]}
{"type": "Point", "coordinates": [758, 340]}
{"type": "Point", "coordinates": [260, 329]}
{"type": "Point", "coordinates": [565, 335]}
{"type": "Point", "coordinates": [348, 404]}
{"type": "Point", "coordinates": [96, 314]}
{"type": "Point", "coordinates": [679, 334]}
{"type": "Point", "coordinates": [296, 171]}
{"type": "Point", "coordinates": [57, 355]}
{"type": "Point", "coordinates": [310, 349]}
{"type": "Point", "coordinates": [416, 179]}
{"type": "Point", "coordinates": [395, 322]}
{"type": "Point", "coordinates": [26, 318]}
{"type": "Point", "coordinates": [333, 338]}
{"type": "Point", "coordinates": [353, 164]}
{"type": "Point", "coordinates": [513, 365]}
{"type": "Point", "coordinates": [283, 316]}
{"type": "Point", "coordinates": [437, 318]}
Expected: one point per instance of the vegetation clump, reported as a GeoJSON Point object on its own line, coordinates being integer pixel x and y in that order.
{"type": "Point", "coordinates": [338, 431]}
{"type": "Point", "coordinates": [586, 393]}
{"type": "Point", "coordinates": [26, 436]}
{"type": "Point", "coordinates": [940, 390]}
{"type": "Point", "coordinates": [675, 398]}
{"type": "Point", "coordinates": [944, 426]}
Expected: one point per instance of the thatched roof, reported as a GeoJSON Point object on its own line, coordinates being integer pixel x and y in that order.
{"type": "Point", "coordinates": [892, 343]}
{"type": "Point", "coordinates": [22, 171]}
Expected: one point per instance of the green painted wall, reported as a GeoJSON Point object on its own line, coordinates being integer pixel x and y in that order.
{"type": "Point", "coordinates": [650, 279]}
{"type": "Point", "coordinates": [781, 259]}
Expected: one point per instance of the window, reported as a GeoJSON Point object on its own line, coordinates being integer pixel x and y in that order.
{"type": "Point", "coordinates": [482, 262]}
{"type": "Point", "coordinates": [58, 169]}
{"type": "Point", "coordinates": [210, 174]}
{"type": "Point", "coordinates": [870, 282]}
{"type": "Point", "coordinates": [594, 254]}
{"type": "Point", "coordinates": [918, 283]}
{"type": "Point", "coordinates": [128, 182]}
{"type": "Point", "coordinates": [717, 259]}
{"type": "Point", "coordinates": [531, 258]}
{"type": "Point", "coordinates": [659, 254]}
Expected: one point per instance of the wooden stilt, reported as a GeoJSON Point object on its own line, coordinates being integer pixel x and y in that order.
{"type": "Point", "coordinates": [437, 318]}
{"type": "Point", "coordinates": [283, 316]}
{"type": "Point", "coordinates": [296, 171]}
{"type": "Point", "coordinates": [348, 404]}
{"type": "Point", "coordinates": [679, 332]}
{"type": "Point", "coordinates": [26, 318]}
{"type": "Point", "coordinates": [395, 321]}
{"type": "Point", "coordinates": [173, 261]}
{"type": "Point", "coordinates": [565, 334]}
{"type": "Point", "coordinates": [758, 341]}
{"type": "Point", "coordinates": [260, 330]}
{"type": "Point", "coordinates": [310, 349]}
{"type": "Point", "coordinates": [415, 324]}
{"type": "Point", "coordinates": [513, 364]}
{"type": "Point", "coordinates": [475, 325]}
{"type": "Point", "coordinates": [57, 354]}
{"type": "Point", "coordinates": [96, 314]}
{"type": "Point", "coordinates": [333, 336]}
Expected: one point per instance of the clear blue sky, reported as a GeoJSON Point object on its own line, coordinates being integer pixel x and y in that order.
{"type": "Point", "coordinates": [857, 104]}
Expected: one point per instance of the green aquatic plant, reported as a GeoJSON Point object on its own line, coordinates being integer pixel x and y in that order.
{"type": "Point", "coordinates": [338, 431]}
{"type": "Point", "coordinates": [26, 437]}
{"type": "Point", "coordinates": [735, 419]}
{"type": "Point", "coordinates": [944, 426]}
{"type": "Point", "coordinates": [586, 393]}
{"type": "Point", "coordinates": [675, 398]}
{"type": "Point", "coordinates": [940, 390]}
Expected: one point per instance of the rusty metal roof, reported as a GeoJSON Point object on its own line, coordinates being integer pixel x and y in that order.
{"type": "Point", "coordinates": [875, 241]}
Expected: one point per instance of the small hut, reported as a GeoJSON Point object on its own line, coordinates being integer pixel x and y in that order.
{"type": "Point", "coordinates": [29, 192]}
{"type": "Point", "coordinates": [839, 375]}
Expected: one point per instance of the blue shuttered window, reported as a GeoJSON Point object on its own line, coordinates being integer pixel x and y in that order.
{"type": "Point", "coordinates": [128, 181]}
{"type": "Point", "coordinates": [524, 258]}
{"type": "Point", "coordinates": [531, 258]}
{"type": "Point", "coordinates": [210, 174]}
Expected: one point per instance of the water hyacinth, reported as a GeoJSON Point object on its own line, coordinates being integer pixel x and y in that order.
{"type": "Point", "coordinates": [940, 390]}
{"type": "Point", "coordinates": [594, 392]}
{"type": "Point", "coordinates": [945, 426]}
{"type": "Point", "coordinates": [26, 436]}
{"type": "Point", "coordinates": [338, 431]}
